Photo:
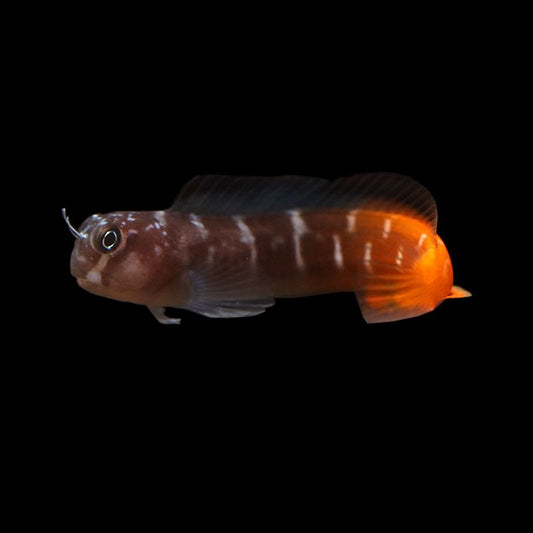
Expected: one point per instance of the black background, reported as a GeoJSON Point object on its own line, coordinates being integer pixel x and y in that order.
{"type": "Point", "coordinates": [307, 391]}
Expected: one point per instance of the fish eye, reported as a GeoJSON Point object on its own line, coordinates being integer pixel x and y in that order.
{"type": "Point", "coordinates": [109, 240]}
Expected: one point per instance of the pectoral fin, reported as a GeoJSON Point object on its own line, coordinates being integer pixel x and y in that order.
{"type": "Point", "coordinates": [228, 291]}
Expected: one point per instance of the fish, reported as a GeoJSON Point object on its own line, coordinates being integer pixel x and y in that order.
{"type": "Point", "coordinates": [229, 246]}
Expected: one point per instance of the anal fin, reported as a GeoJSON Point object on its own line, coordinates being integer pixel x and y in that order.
{"type": "Point", "coordinates": [388, 298]}
{"type": "Point", "coordinates": [385, 309]}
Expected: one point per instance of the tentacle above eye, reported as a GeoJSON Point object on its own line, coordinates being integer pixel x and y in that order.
{"type": "Point", "coordinates": [74, 232]}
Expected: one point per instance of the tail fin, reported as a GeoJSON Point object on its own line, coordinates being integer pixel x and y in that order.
{"type": "Point", "coordinates": [459, 292]}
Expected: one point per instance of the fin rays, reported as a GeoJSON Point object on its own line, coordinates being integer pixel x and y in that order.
{"type": "Point", "coordinates": [230, 309]}
{"type": "Point", "coordinates": [245, 195]}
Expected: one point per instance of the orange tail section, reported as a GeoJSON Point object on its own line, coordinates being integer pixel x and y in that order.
{"type": "Point", "coordinates": [405, 272]}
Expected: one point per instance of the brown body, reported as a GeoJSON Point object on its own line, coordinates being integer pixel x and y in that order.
{"type": "Point", "coordinates": [390, 260]}
{"type": "Point", "coordinates": [225, 265]}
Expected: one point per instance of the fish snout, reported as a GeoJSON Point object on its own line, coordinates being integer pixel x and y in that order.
{"type": "Point", "coordinates": [83, 260]}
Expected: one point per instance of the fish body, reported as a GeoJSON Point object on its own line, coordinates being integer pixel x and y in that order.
{"type": "Point", "coordinates": [229, 246]}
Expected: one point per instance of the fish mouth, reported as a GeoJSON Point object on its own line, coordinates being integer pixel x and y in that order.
{"type": "Point", "coordinates": [83, 275]}
{"type": "Point", "coordinates": [78, 270]}
{"type": "Point", "coordinates": [99, 289]}
{"type": "Point", "coordinates": [83, 278]}
{"type": "Point", "coordinates": [84, 283]}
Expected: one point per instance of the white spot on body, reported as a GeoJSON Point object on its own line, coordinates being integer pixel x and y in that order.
{"type": "Point", "coordinates": [368, 256]}
{"type": "Point", "coordinates": [94, 277]}
{"type": "Point", "coordinates": [387, 227]}
{"type": "Point", "coordinates": [299, 228]}
{"type": "Point", "coordinates": [423, 237]}
{"type": "Point", "coordinates": [298, 223]}
{"type": "Point", "coordinates": [133, 266]}
{"type": "Point", "coordinates": [157, 250]}
{"type": "Point", "coordinates": [399, 256]}
{"type": "Point", "coordinates": [161, 217]}
{"type": "Point", "coordinates": [95, 274]}
{"type": "Point", "coordinates": [351, 221]}
{"type": "Point", "coordinates": [247, 237]}
{"type": "Point", "coordinates": [196, 221]}
{"type": "Point", "coordinates": [337, 254]}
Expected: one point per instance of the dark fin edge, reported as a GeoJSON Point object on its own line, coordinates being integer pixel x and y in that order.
{"type": "Point", "coordinates": [246, 195]}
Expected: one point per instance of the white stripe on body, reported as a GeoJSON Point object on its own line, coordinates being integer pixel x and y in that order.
{"type": "Point", "coordinates": [299, 228]}
{"type": "Point", "coordinates": [95, 274]}
{"type": "Point", "coordinates": [247, 237]}
{"type": "Point", "coordinates": [196, 221]}
{"type": "Point", "coordinates": [337, 254]}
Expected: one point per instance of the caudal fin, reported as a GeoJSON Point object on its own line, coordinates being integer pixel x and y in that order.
{"type": "Point", "coordinates": [459, 292]}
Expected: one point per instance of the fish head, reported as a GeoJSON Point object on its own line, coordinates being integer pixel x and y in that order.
{"type": "Point", "coordinates": [119, 255]}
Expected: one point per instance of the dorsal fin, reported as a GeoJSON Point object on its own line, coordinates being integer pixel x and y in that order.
{"type": "Point", "coordinates": [245, 195]}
